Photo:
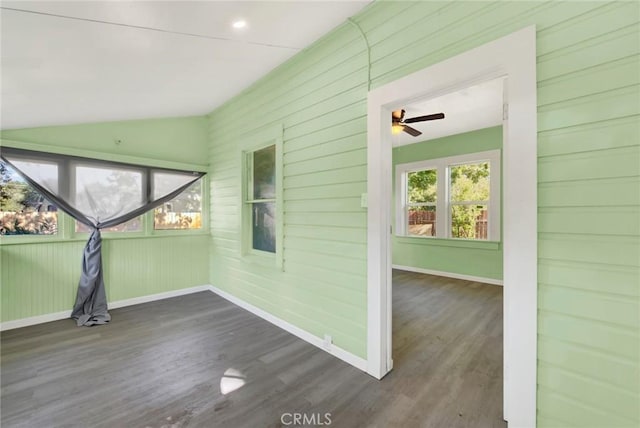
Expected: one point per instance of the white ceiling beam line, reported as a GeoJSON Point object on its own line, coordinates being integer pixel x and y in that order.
{"type": "Point", "coordinates": [160, 30]}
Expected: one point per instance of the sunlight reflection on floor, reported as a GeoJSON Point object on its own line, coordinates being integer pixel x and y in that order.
{"type": "Point", "coordinates": [232, 380]}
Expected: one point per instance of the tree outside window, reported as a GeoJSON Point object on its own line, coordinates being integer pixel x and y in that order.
{"type": "Point", "coordinates": [421, 202]}
{"type": "Point", "coordinates": [182, 212]}
{"type": "Point", "coordinates": [24, 211]}
{"type": "Point", "coordinates": [451, 197]}
{"type": "Point", "coordinates": [469, 196]}
{"type": "Point", "coordinates": [261, 195]}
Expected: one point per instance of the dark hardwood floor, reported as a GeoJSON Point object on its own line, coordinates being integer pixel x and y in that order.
{"type": "Point", "coordinates": [167, 363]}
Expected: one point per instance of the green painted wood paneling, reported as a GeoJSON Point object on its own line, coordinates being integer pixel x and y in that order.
{"type": "Point", "coordinates": [42, 278]}
{"type": "Point", "coordinates": [589, 191]}
{"type": "Point", "coordinates": [181, 139]}
{"type": "Point", "coordinates": [589, 183]}
{"type": "Point", "coordinates": [433, 254]}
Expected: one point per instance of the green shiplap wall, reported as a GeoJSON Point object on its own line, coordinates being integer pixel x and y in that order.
{"type": "Point", "coordinates": [177, 139]}
{"type": "Point", "coordinates": [481, 259]}
{"type": "Point", "coordinates": [41, 278]}
{"type": "Point", "coordinates": [589, 184]}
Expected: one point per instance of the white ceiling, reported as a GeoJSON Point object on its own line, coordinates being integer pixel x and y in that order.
{"type": "Point", "coordinates": [476, 107]}
{"type": "Point", "coordinates": [93, 62]}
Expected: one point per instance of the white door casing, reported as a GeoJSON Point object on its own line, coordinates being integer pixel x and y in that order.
{"type": "Point", "coordinates": [514, 58]}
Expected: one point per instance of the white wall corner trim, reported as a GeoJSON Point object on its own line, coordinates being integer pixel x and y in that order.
{"type": "Point", "coordinates": [449, 274]}
{"type": "Point", "coordinates": [512, 57]}
{"type": "Point", "coordinates": [40, 319]}
{"type": "Point", "coordinates": [336, 351]}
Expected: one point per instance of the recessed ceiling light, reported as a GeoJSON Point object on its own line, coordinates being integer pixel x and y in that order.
{"type": "Point", "coordinates": [240, 23]}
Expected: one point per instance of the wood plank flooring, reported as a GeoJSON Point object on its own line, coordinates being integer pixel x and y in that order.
{"type": "Point", "coordinates": [164, 364]}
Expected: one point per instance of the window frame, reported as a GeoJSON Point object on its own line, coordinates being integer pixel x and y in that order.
{"type": "Point", "coordinates": [62, 222]}
{"type": "Point", "coordinates": [247, 201]}
{"type": "Point", "coordinates": [149, 222]}
{"type": "Point", "coordinates": [405, 205]}
{"type": "Point", "coordinates": [67, 224]}
{"type": "Point", "coordinates": [71, 186]}
{"type": "Point", "coordinates": [443, 200]}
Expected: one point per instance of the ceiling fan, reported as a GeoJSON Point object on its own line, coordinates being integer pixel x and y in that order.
{"type": "Point", "coordinates": [399, 123]}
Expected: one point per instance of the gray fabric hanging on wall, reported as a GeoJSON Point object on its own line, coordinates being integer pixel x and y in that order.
{"type": "Point", "coordinates": [50, 174]}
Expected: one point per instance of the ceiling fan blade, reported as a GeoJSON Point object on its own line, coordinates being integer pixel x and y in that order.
{"type": "Point", "coordinates": [411, 131]}
{"type": "Point", "coordinates": [425, 118]}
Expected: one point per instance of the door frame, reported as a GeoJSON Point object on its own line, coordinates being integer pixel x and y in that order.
{"type": "Point", "coordinates": [512, 57]}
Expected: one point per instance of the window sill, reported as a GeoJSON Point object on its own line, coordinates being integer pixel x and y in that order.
{"type": "Point", "coordinates": [32, 239]}
{"type": "Point", "coordinates": [106, 236]}
{"type": "Point", "coordinates": [447, 242]}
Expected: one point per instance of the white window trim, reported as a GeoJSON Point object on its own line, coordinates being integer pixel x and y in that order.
{"type": "Point", "coordinates": [443, 204]}
{"type": "Point", "coordinates": [514, 57]}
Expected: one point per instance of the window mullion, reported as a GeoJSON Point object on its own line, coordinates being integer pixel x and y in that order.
{"type": "Point", "coordinates": [468, 203]}
{"type": "Point", "coordinates": [442, 216]}
{"type": "Point", "coordinates": [148, 218]}
{"type": "Point", "coordinates": [421, 204]}
{"type": "Point", "coordinates": [147, 184]}
{"type": "Point", "coordinates": [403, 213]}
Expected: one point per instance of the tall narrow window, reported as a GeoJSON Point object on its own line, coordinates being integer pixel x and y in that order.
{"type": "Point", "coordinates": [24, 211]}
{"type": "Point", "coordinates": [261, 196]}
{"type": "Point", "coordinates": [421, 202]}
{"type": "Point", "coordinates": [469, 200]}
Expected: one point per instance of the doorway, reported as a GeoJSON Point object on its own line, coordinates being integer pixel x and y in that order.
{"type": "Point", "coordinates": [514, 58]}
{"type": "Point", "coordinates": [447, 298]}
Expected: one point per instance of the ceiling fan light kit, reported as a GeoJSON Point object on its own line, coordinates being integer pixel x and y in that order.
{"type": "Point", "coordinates": [399, 123]}
{"type": "Point", "coordinates": [396, 128]}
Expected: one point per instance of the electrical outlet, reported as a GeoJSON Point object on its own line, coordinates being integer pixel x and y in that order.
{"type": "Point", "coordinates": [328, 341]}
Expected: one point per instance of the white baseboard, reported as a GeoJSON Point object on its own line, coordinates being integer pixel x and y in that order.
{"type": "Point", "coordinates": [449, 274]}
{"type": "Point", "coordinates": [336, 351]}
{"type": "Point", "coordinates": [160, 296]}
{"type": "Point", "coordinates": [40, 319]}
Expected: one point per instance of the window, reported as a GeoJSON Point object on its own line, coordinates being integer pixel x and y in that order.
{"type": "Point", "coordinates": [182, 212]}
{"type": "Point", "coordinates": [106, 190]}
{"type": "Point", "coordinates": [24, 211]}
{"type": "Point", "coordinates": [464, 191]}
{"type": "Point", "coordinates": [96, 191]}
{"type": "Point", "coordinates": [261, 198]}
{"type": "Point", "coordinates": [469, 200]}
{"type": "Point", "coordinates": [421, 202]}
